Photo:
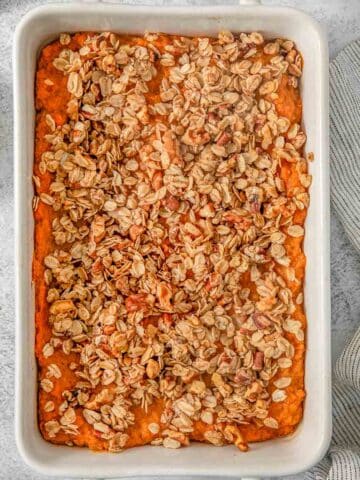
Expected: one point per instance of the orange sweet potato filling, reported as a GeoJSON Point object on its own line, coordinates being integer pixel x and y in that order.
{"type": "Point", "coordinates": [51, 98]}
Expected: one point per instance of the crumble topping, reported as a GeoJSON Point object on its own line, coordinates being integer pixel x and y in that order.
{"type": "Point", "coordinates": [169, 275]}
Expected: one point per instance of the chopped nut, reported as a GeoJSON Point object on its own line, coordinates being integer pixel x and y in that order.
{"type": "Point", "coordinates": [152, 369]}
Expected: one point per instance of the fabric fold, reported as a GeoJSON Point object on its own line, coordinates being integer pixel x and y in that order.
{"type": "Point", "coordinates": [343, 459]}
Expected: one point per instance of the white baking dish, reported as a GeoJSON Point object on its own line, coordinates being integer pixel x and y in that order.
{"type": "Point", "coordinates": [279, 457]}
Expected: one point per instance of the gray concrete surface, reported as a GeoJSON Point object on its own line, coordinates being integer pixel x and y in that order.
{"type": "Point", "coordinates": [342, 19]}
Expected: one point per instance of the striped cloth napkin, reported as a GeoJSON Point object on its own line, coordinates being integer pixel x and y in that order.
{"type": "Point", "coordinates": [343, 459]}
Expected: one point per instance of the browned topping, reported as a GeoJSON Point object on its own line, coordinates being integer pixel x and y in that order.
{"type": "Point", "coordinates": [167, 279]}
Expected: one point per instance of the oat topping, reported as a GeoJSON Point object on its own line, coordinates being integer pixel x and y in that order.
{"type": "Point", "coordinates": [169, 276]}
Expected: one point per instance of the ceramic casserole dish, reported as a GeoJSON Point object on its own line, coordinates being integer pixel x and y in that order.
{"type": "Point", "coordinates": [283, 456]}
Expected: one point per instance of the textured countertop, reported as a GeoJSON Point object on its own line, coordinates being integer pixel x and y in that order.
{"type": "Point", "coordinates": [342, 19]}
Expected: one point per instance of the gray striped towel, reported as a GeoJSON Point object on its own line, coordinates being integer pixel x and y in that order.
{"type": "Point", "coordinates": [343, 459]}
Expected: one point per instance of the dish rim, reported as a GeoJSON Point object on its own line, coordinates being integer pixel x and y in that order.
{"type": "Point", "coordinates": [24, 24]}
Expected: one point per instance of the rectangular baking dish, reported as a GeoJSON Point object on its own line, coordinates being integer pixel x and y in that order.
{"type": "Point", "coordinates": [276, 457]}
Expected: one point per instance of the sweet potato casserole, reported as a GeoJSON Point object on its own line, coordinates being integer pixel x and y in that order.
{"type": "Point", "coordinates": [171, 193]}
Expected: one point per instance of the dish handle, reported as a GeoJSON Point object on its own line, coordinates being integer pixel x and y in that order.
{"type": "Point", "coordinates": [253, 3]}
